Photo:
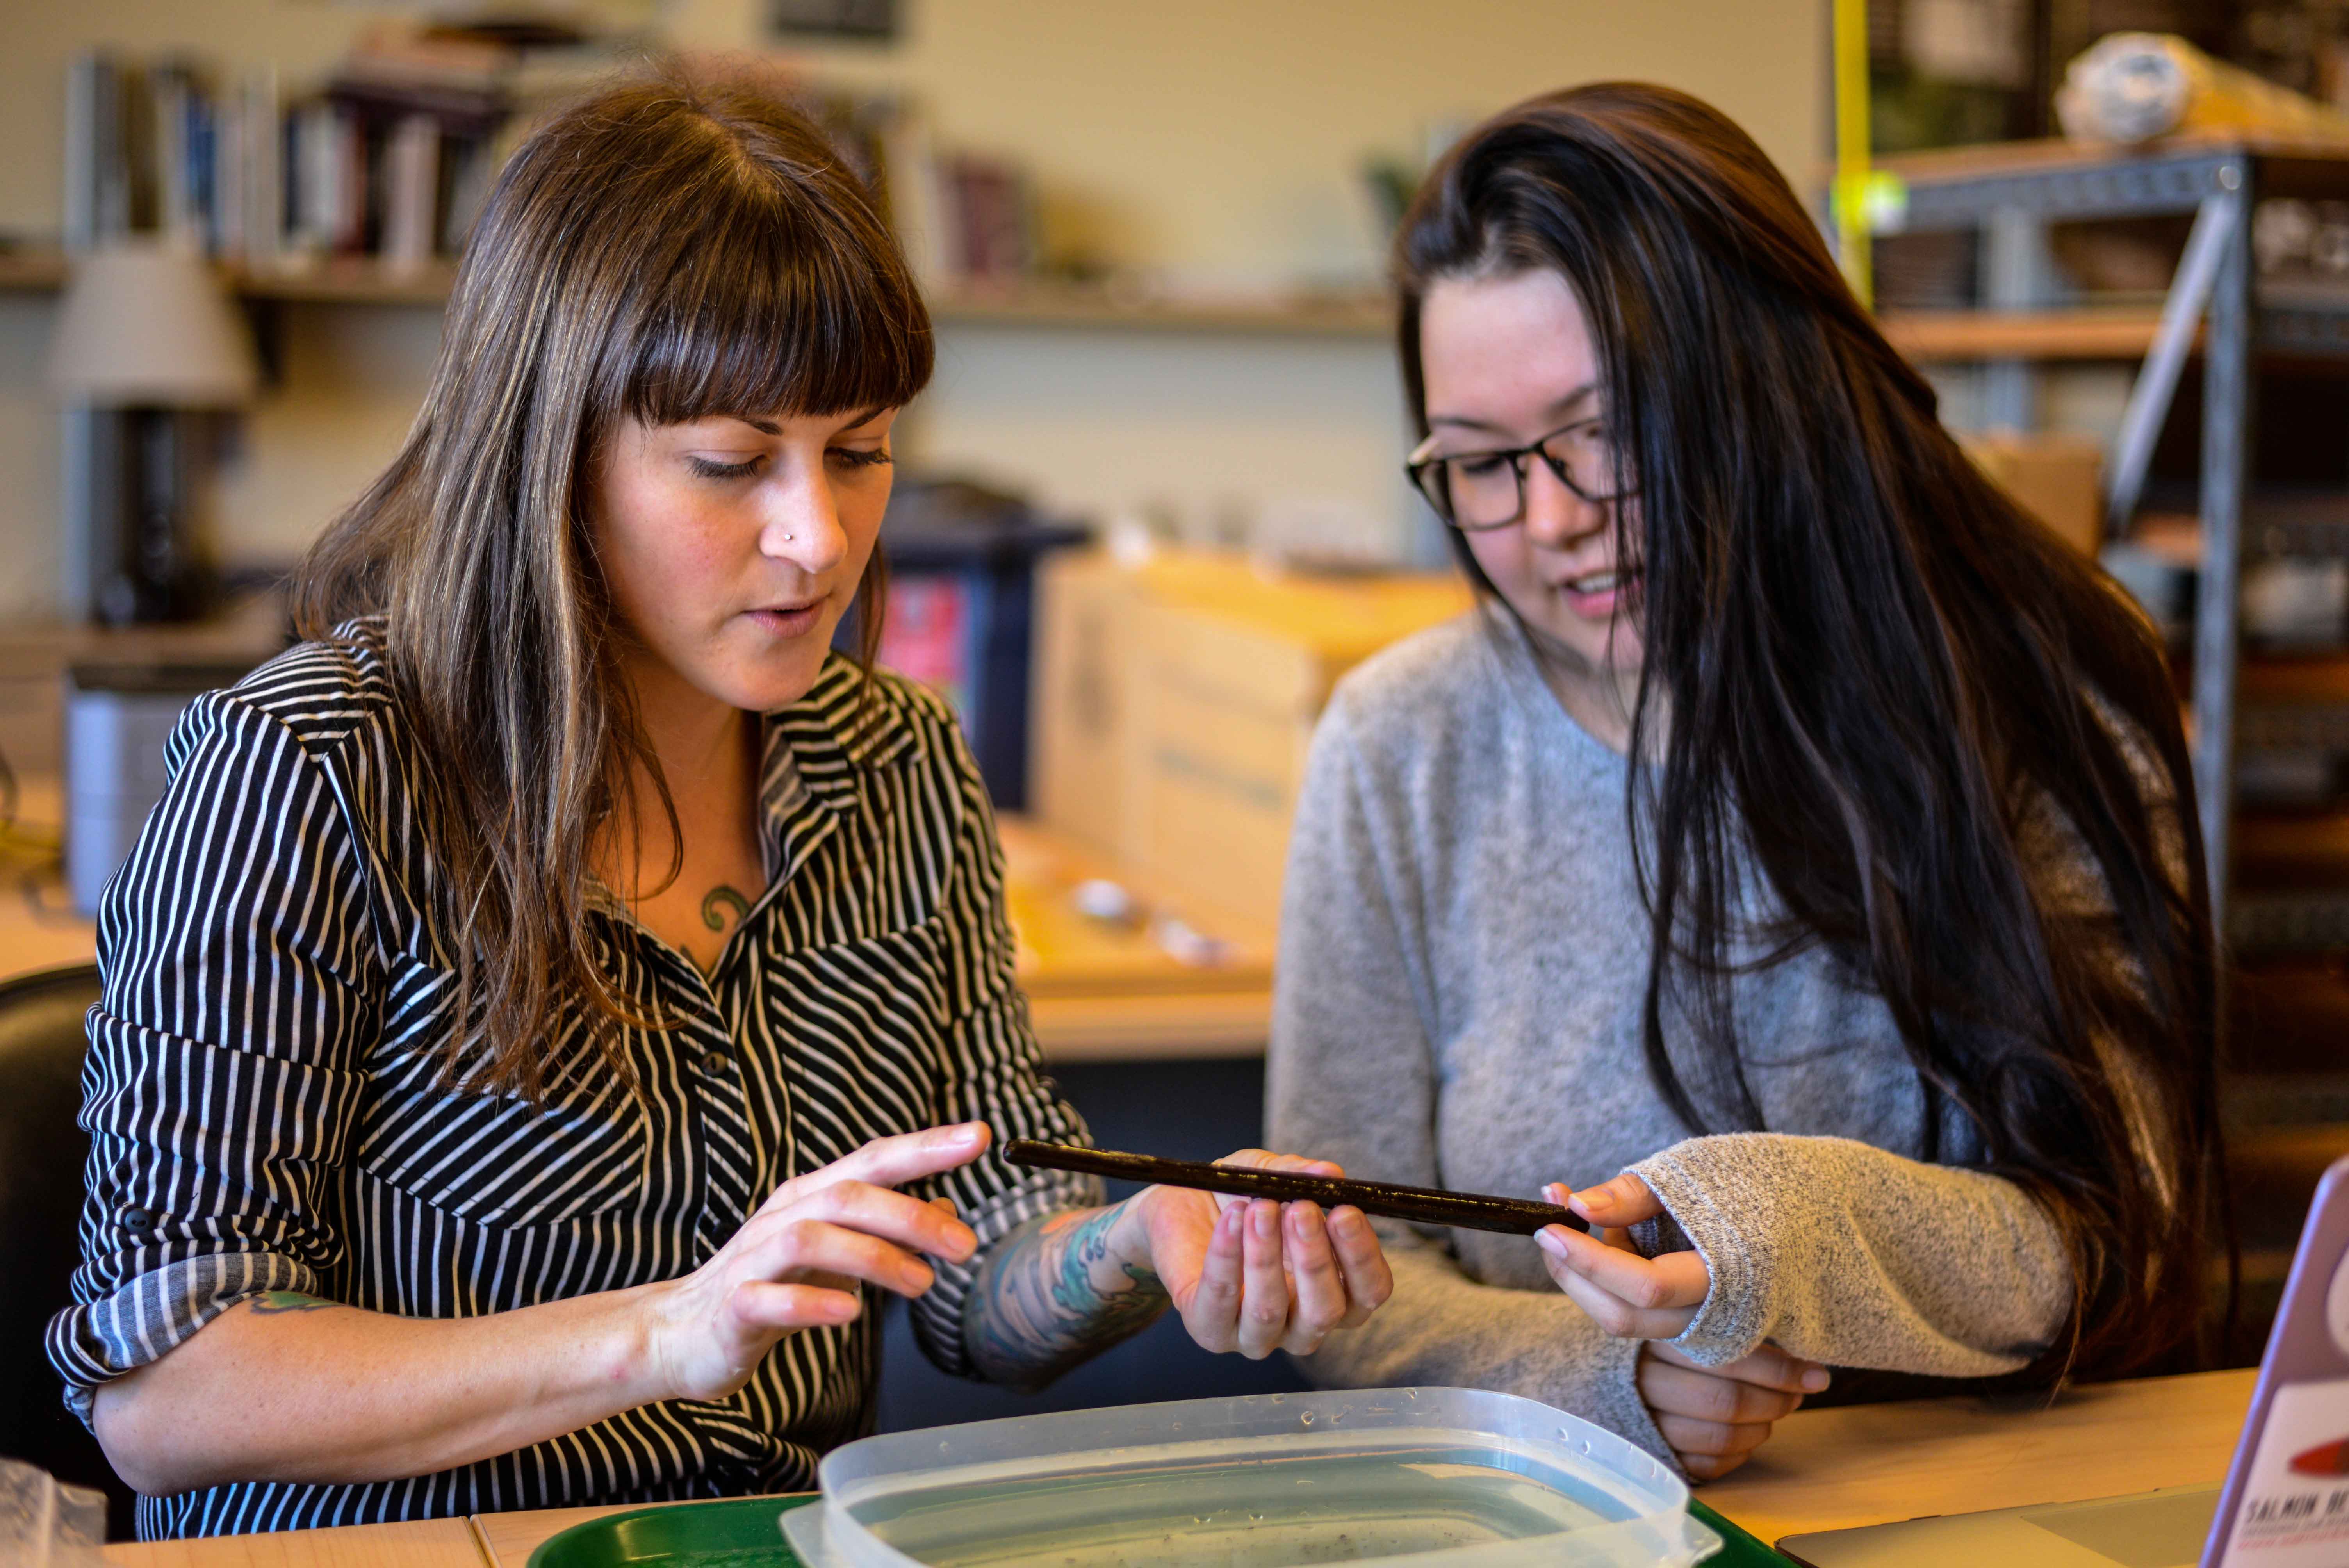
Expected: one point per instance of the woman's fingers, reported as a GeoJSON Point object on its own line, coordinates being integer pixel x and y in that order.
{"type": "Point", "coordinates": [1316, 1286]}
{"type": "Point", "coordinates": [890, 1214]}
{"type": "Point", "coordinates": [1363, 1262]}
{"type": "Point", "coordinates": [1625, 1201]}
{"type": "Point", "coordinates": [1708, 1452]}
{"type": "Point", "coordinates": [807, 1249]}
{"type": "Point", "coordinates": [1263, 1284]}
{"type": "Point", "coordinates": [1704, 1467]}
{"type": "Point", "coordinates": [777, 1309]}
{"type": "Point", "coordinates": [1277, 1276]}
{"type": "Point", "coordinates": [1265, 1159]}
{"type": "Point", "coordinates": [1212, 1313]}
{"type": "Point", "coordinates": [880, 1212]}
{"type": "Point", "coordinates": [892, 1161]}
{"type": "Point", "coordinates": [1711, 1440]}
{"type": "Point", "coordinates": [1766, 1367]}
{"type": "Point", "coordinates": [1629, 1296]}
{"type": "Point", "coordinates": [1617, 1317]}
{"type": "Point", "coordinates": [1702, 1396]}
{"type": "Point", "coordinates": [1713, 1416]}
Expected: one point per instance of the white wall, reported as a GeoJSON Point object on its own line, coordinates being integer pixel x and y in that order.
{"type": "Point", "coordinates": [1217, 141]}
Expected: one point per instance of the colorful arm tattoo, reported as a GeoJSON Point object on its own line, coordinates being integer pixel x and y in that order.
{"type": "Point", "coordinates": [270, 1303]}
{"type": "Point", "coordinates": [1049, 1295]}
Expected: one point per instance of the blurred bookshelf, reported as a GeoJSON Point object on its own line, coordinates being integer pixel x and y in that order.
{"type": "Point", "coordinates": [1030, 303]}
{"type": "Point", "coordinates": [25, 270]}
{"type": "Point", "coordinates": [358, 187]}
{"type": "Point", "coordinates": [2123, 332]}
{"type": "Point", "coordinates": [1046, 303]}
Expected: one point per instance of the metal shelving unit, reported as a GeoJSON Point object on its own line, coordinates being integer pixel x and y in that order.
{"type": "Point", "coordinates": [2011, 194]}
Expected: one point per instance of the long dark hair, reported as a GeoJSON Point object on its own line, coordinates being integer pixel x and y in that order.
{"type": "Point", "coordinates": [672, 246]}
{"type": "Point", "coordinates": [1869, 679]}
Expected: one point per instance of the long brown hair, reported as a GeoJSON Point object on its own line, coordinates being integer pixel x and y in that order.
{"type": "Point", "coordinates": [672, 247]}
{"type": "Point", "coordinates": [1868, 677]}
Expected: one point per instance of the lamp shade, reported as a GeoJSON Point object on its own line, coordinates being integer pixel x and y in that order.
{"type": "Point", "coordinates": [151, 325]}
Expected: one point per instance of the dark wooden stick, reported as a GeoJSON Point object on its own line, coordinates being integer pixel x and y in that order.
{"type": "Point", "coordinates": [1421, 1206]}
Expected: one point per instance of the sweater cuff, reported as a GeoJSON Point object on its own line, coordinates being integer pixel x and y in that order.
{"type": "Point", "coordinates": [1734, 1317]}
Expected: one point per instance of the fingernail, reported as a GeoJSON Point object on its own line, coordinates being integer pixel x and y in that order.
{"type": "Point", "coordinates": [1596, 1199]}
{"type": "Point", "coordinates": [1551, 1239]}
{"type": "Point", "coordinates": [1557, 1192]}
{"type": "Point", "coordinates": [1267, 1219]}
{"type": "Point", "coordinates": [1814, 1379]}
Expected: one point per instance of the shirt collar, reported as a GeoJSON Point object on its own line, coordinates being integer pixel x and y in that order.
{"type": "Point", "coordinates": [820, 743]}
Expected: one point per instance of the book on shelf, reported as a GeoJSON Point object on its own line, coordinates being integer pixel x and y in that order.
{"type": "Point", "coordinates": [391, 158]}
{"type": "Point", "coordinates": [375, 164]}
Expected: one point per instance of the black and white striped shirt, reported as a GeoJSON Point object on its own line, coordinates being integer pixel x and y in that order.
{"type": "Point", "coordinates": [262, 1098]}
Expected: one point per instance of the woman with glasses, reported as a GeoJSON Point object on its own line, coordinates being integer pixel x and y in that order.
{"type": "Point", "coordinates": [1792, 860]}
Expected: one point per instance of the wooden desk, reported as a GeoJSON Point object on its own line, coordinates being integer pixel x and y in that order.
{"type": "Point", "coordinates": [1096, 992]}
{"type": "Point", "coordinates": [427, 1543]}
{"type": "Point", "coordinates": [1107, 992]}
{"type": "Point", "coordinates": [1870, 1464]}
{"type": "Point", "coordinates": [38, 929]}
{"type": "Point", "coordinates": [1822, 1470]}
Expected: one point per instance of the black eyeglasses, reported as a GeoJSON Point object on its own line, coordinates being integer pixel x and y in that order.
{"type": "Point", "coordinates": [1473, 492]}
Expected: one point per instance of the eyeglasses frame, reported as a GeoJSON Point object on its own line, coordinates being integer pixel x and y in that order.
{"type": "Point", "coordinates": [1421, 460]}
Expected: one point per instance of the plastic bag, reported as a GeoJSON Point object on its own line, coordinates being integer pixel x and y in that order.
{"type": "Point", "coordinates": [47, 1524]}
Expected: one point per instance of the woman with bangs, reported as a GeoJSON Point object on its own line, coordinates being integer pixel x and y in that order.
{"type": "Point", "coordinates": [546, 999]}
{"type": "Point", "coordinates": [1791, 861]}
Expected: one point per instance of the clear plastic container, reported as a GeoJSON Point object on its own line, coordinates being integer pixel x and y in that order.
{"type": "Point", "coordinates": [1449, 1477]}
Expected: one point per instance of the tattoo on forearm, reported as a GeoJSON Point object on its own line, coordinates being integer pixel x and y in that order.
{"type": "Point", "coordinates": [270, 1303]}
{"type": "Point", "coordinates": [720, 898]}
{"type": "Point", "coordinates": [1038, 1307]}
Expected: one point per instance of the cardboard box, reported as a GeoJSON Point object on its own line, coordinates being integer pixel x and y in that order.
{"type": "Point", "coordinates": [1077, 703]}
{"type": "Point", "coordinates": [1174, 705]}
{"type": "Point", "coordinates": [2059, 479]}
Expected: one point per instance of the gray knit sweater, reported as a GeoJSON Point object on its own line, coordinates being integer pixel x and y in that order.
{"type": "Point", "coordinates": [1464, 953]}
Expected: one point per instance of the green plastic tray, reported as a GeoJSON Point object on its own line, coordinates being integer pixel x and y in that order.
{"type": "Point", "coordinates": [734, 1532]}
{"type": "Point", "coordinates": [740, 1532]}
{"type": "Point", "coordinates": [1738, 1550]}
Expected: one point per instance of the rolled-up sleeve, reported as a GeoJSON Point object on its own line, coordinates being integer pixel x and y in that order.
{"type": "Point", "coordinates": [239, 976]}
{"type": "Point", "coordinates": [993, 1073]}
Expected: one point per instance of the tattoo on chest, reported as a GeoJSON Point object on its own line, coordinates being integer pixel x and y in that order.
{"type": "Point", "coordinates": [270, 1303]}
{"type": "Point", "coordinates": [721, 899]}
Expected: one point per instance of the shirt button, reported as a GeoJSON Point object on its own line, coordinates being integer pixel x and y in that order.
{"type": "Point", "coordinates": [136, 1219]}
{"type": "Point", "coordinates": [716, 1062]}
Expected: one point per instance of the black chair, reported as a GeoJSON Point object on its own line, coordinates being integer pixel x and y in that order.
{"type": "Point", "coordinates": [42, 1153]}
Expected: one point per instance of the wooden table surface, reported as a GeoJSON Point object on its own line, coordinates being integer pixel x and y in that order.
{"type": "Point", "coordinates": [1822, 1470]}
{"type": "Point", "coordinates": [1869, 1464]}
{"type": "Point", "coordinates": [427, 1543]}
{"type": "Point", "coordinates": [1096, 992]}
